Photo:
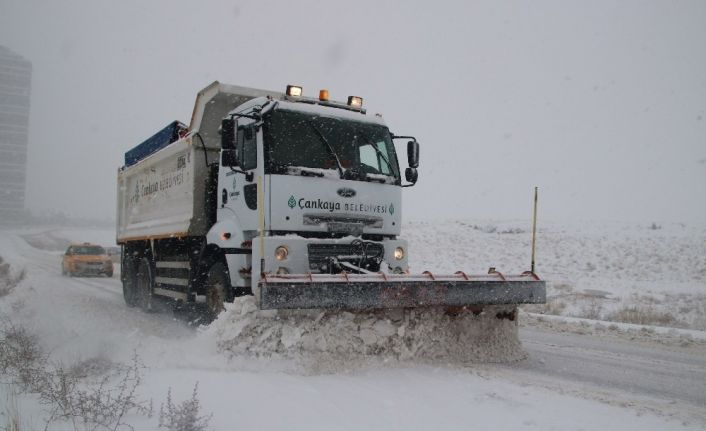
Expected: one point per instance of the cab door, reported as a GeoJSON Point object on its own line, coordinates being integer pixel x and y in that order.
{"type": "Point", "coordinates": [238, 185]}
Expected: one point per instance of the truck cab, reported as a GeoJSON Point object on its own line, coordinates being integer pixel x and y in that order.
{"type": "Point", "coordinates": [310, 187]}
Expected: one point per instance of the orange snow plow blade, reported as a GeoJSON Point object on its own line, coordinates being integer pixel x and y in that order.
{"type": "Point", "coordinates": [377, 291]}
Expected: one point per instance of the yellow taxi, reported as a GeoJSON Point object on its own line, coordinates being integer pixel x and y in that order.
{"type": "Point", "coordinates": [86, 259]}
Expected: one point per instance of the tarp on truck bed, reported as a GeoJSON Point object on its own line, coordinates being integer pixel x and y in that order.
{"type": "Point", "coordinates": [155, 143]}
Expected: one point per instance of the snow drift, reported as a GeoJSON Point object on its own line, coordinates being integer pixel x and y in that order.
{"type": "Point", "coordinates": [328, 341]}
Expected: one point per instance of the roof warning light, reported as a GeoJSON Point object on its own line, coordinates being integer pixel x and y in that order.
{"type": "Point", "coordinates": [294, 91]}
{"type": "Point", "coordinates": [355, 101]}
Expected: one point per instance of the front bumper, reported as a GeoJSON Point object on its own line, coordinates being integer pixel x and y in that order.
{"type": "Point", "coordinates": [92, 269]}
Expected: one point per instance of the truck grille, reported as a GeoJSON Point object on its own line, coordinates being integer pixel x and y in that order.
{"type": "Point", "coordinates": [320, 254]}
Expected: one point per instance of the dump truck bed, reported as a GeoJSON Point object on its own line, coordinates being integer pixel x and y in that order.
{"type": "Point", "coordinates": [165, 194]}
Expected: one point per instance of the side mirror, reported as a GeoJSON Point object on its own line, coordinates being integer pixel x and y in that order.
{"type": "Point", "coordinates": [249, 132]}
{"type": "Point", "coordinates": [229, 157]}
{"type": "Point", "coordinates": [411, 175]}
{"type": "Point", "coordinates": [413, 155]}
{"type": "Point", "coordinates": [228, 134]}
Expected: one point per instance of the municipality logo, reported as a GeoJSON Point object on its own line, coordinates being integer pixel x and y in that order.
{"type": "Point", "coordinates": [392, 209]}
{"type": "Point", "coordinates": [292, 202]}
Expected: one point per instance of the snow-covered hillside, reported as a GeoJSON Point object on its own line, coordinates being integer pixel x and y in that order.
{"type": "Point", "coordinates": [595, 270]}
{"type": "Point", "coordinates": [652, 274]}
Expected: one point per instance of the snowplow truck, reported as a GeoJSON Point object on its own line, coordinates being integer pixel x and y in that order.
{"type": "Point", "coordinates": [292, 199]}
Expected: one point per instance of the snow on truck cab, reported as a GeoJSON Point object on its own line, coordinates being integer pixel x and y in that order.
{"type": "Point", "coordinates": [292, 199]}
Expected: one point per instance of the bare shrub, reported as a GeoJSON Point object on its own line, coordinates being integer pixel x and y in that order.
{"type": "Point", "coordinates": [8, 281]}
{"type": "Point", "coordinates": [20, 356]}
{"type": "Point", "coordinates": [648, 299]}
{"type": "Point", "coordinates": [512, 230]}
{"type": "Point", "coordinates": [592, 310]}
{"type": "Point", "coordinates": [554, 306]}
{"type": "Point", "coordinates": [11, 411]}
{"type": "Point", "coordinates": [185, 416]}
{"type": "Point", "coordinates": [98, 403]}
{"type": "Point", "coordinates": [485, 229]}
{"type": "Point", "coordinates": [686, 309]}
{"type": "Point", "coordinates": [642, 316]}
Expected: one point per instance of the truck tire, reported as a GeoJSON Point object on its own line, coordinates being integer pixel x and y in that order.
{"type": "Point", "coordinates": [217, 289]}
{"type": "Point", "coordinates": [144, 284]}
{"type": "Point", "coordinates": [129, 284]}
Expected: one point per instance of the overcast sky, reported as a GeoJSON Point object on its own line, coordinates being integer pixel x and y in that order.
{"type": "Point", "coordinates": [600, 104]}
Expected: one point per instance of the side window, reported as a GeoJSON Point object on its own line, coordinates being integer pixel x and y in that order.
{"type": "Point", "coordinates": [368, 156]}
{"type": "Point", "coordinates": [68, 251]}
{"type": "Point", "coordinates": [247, 148]}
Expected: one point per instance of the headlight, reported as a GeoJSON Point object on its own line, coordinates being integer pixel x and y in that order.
{"type": "Point", "coordinates": [281, 252]}
{"type": "Point", "coordinates": [399, 253]}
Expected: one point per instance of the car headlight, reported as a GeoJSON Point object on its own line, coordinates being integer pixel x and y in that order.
{"type": "Point", "coordinates": [281, 252]}
{"type": "Point", "coordinates": [399, 253]}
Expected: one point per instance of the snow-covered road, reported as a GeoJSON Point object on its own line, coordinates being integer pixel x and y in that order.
{"type": "Point", "coordinates": [569, 381]}
{"type": "Point", "coordinates": [642, 369]}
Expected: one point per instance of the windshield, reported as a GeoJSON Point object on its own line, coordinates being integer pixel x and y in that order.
{"type": "Point", "coordinates": [88, 250]}
{"type": "Point", "coordinates": [304, 144]}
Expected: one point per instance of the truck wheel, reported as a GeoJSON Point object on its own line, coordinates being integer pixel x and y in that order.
{"type": "Point", "coordinates": [144, 283]}
{"type": "Point", "coordinates": [217, 287]}
{"type": "Point", "coordinates": [129, 283]}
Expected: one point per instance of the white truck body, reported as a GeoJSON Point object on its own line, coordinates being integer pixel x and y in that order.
{"type": "Point", "coordinates": [279, 196]}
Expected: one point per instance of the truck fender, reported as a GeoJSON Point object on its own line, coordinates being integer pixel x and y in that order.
{"type": "Point", "coordinates": [227, 236]}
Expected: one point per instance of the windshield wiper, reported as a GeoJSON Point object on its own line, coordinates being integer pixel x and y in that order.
{"type": "Point", "coordinates": [328, 146]}
{"type": "Point", "coordinates": [380, 153]}
{"type": "Point", "coordinates": [382, 156]}
{"type": "Point", "coordinates": [376, 179]}
{"type": "Point", "coordinates": [306, 172]}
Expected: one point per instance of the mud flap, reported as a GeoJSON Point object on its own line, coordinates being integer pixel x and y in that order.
{"type": "Point", "coordinates": [378, 291]}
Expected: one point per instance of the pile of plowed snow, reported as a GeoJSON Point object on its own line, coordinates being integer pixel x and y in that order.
{"type": "Point", "coordinates": [330, 341]}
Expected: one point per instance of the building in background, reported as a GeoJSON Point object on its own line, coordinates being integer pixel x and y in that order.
{"type": "Point", "coordinates": [15, 80]}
